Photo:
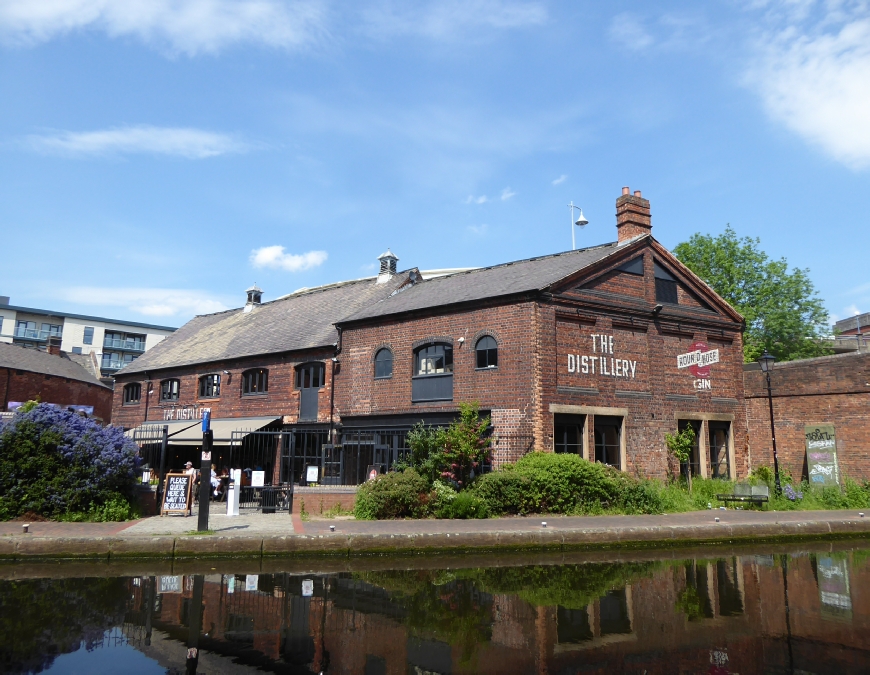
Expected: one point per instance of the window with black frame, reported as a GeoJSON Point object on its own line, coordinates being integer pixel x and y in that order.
{"type": "Point", "coordinates": [210, 386]}
{"type": "Point", "coordinates": [568, 433]}
{"type": "Point", "coordinates": [255, 382]}
{"type": "Point", "coordinates": [666, 286]}
{"type": "Point", "coordinates": [132, 393]}
{"type": "Point", "coordinates": [433, 373]}
{"type": "Point", "coordinates": [169, 390]}
{"type": "Point", "coordinates": [383, 364]}
{"type": "Point", "coordinates": [608, 440]}
{"type": "Point", "coordinates": [487, 352]}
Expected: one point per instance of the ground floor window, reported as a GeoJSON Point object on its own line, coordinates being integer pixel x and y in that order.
{"type": "Point", "coordinates": [608, 440]}
{"type": "Point", "coordinates": [719, 433]}
{"type": "Point", "coordinates": [568, 433]}
{"type": "Point", "coordinates": [694, 463]}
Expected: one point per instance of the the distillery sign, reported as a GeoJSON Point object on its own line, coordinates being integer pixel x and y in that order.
{"type": "Point", "coordinates": [602, 360]}
{"type": "Point", "coordinates": [698, 361]}
{"type": "Point", "coordinates": [186, 412]}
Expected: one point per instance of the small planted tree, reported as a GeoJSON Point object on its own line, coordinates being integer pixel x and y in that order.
{"type": "Point", "coordinates": [466, 445]}
{"type": "Point", "coordinates": [680, 446]}
{"type": "Point", "coordinates": [427, 449]}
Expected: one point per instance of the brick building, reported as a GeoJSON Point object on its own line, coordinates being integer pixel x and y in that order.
{"type": "Point", "coordinates": [829, 390]}
{"type": "Point", "coordinates": [52, 376]}
{"type": "Point", "coordinates": [598, 351]}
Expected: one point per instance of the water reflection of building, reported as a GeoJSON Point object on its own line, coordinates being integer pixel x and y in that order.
{"type": "Point", "coordinates": [726, 615]}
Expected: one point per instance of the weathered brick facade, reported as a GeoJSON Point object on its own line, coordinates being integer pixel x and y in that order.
{"type": "Point", "coordinates": [588, 345]}
{"type": "Point", "coordinates": [826, 390]}
{"type": "Point", "coordinates": [22, 385]}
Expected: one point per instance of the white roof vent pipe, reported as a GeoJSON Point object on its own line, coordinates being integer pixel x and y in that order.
{"type": "Point", "coordinates": [255, 297]}
{"type": "Point", "coordinates": [388, 266]}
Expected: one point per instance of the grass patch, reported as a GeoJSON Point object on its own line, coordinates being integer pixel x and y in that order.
{"type": "Point", "coordinates": [197, 533]}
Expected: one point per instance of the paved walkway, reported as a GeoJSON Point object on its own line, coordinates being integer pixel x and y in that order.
{"type": "Point", "coordinates": [281, 524]}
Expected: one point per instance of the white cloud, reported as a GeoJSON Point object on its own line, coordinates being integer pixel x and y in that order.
{"type": "Point", "coordinates": [561, 179]}
{"type": "Point", "coordinates": [178, 26]}
{"type": "Point", "coordinates": [627, 31]}
{"type": "Point", "coordinates": [812, 73]}
{"type": "Point", "coordinates": [173, 141]}
{"type": "Point", "coordinates": [274, 257]}
{"type": "Point", "coordinates": [471, 199]}
{"type": "Point", "coordinates": [161, 302]}
{"type": "Point", "coordinates": [506, 194]}
{"type": "Point", "coordinates": [448, 19]}
{"type": "Point", "coordinates": [478, 230]}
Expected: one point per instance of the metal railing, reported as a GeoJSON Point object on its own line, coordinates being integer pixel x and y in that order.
{"type": "Point", "coordinates": [34, 334]}
{"type": "Point", "coordinates": [127, 344]}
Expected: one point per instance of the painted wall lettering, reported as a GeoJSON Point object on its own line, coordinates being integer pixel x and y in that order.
{"type": "Point", "coordinates": [595, 364]}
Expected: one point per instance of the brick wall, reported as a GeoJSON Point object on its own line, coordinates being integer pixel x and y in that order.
{"type": "Point", "coordinates": [22, 385]}
{"type": "Point", "coordinates": [827, 390]}
{"type": "Point", "coordinates": [507, 391]}
{"type": "Point", "coordinates": [282, 398]}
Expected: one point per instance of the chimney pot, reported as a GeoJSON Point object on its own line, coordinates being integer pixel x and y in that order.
{"type": "Point", "coordinates": [637, 193]}
{"type": "Point", "coordinates": [626, 190]}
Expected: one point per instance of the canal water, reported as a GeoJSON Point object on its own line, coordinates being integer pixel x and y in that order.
{"type": "Point", "coordinates": [769, 610]}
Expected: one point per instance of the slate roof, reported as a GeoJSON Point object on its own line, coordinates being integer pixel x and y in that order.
{"type": "Point", "coordinates": [522, 276]}
{"type": "Point", "coordinates": [35, 361]}
{"type": "Point", "coordinates": [301, 320]}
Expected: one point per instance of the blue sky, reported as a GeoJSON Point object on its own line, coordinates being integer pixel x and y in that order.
{"type": "Point", "coordinates": [159, 156]}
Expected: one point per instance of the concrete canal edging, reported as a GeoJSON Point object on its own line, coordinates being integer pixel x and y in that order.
{"type": "Point", "coordinates": [477, 537]}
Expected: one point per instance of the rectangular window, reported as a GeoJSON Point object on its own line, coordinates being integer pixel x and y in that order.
{"type": "Point", "coordinates": [76, 350]}
{"type": "Point", "coordinates": [719, 432]}
{"type": "Point", "coordinates": [89, 335]}
{"type": "Point", "coordinates": [255, 382]}
{"type": "Point", "coordinates": [666, 291]}
{"type": "Point", "coordinates": [568, 433]}
{"type": "Point", "coordinates": [132, 393]}
{"type": "Point", "coordinates": [694, 463]}
{"type": "Point", "coordinates": [26, 329]}
{"type": "Point", "coordinates": [608, 437]}
{"type": "Point", "coordinates": [169, 390]}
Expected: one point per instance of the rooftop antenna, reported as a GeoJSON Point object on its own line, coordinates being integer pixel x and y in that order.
{"type": "Point", "coordinates": [580, 222]}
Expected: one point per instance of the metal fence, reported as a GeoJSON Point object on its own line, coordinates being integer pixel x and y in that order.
{"type": "Point", "coordinates": [152, 439]}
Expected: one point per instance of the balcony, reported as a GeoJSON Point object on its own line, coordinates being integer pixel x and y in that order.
{"type": "Point", "coordinates": [129, 345]}
{"type": "Point", "coordinates": [111, 362]}
{"type": "Point", "coordinates": [34, 334]}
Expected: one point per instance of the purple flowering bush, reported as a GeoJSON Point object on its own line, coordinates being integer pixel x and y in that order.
{"type": "Point", "coordinates": [59, 464]}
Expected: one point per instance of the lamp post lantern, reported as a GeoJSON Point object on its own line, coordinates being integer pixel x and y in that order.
{"type": "Point", "coordinates": [580, 222]}
{"type": "Point", "coordinates": [766, 361]}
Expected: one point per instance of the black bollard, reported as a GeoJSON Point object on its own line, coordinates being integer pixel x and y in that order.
{"type": "Point", "coordinates": [205, 480]}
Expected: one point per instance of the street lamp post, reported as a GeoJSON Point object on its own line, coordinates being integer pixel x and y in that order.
{"type": "Point", "coordinates": [766, 361]}
{"type": "Point", "coordinates": [580, 222]}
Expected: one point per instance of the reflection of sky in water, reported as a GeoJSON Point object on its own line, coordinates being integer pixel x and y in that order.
{"type": "Point", "coordinates": [115, 657]}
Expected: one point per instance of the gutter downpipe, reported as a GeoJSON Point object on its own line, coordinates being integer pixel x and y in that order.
{"type": "Point", "coordinates": [332, 389]}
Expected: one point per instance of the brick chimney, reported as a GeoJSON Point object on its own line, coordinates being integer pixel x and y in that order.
{"type": "Point", "coordinates": [632, 216]}
{"type": "Point", "coordinates": [54, 345]}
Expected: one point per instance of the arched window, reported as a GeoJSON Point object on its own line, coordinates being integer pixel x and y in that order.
{"type": "Point", "coordinates": [433, 373]}
{"type": "Point", "coordinates": [383, 363]}
{"type": "Point", "coordinates": [210, 386]}
{"type": "Point", "coordinates": [132, 393]}
{"type": "Point", "coordinates": [255, 382]}
{"type": "Point", "coordinates": [487, 352]}
{"type": "Point", "coordinates": [169, 390]}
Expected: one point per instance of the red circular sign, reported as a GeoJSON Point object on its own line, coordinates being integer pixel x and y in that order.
{"type": "Point", "coordinates": [373, 474]}
{"type": "Point", "coordinates": [701, 372]}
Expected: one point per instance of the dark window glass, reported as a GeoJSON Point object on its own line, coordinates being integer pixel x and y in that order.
{"type": "Point", "coordinates": [89, 335]}
{"type": "Point", "coordinates": [384, 363]}
{"type": "Point", "coordinates": [132, 393]}
{"type": "Point", "coordinates": [608, 431]}
{"type": "Point", "coordinates": [568, 433]}
{"type": "Point", "coordinates": [433, 360]}
{"type": "Point", "coordinates": [666, 291]}
{"type": "Point", "coordinates": [487, 352]}
{"type": "Point", "coordinates": [76, 350]}
{"type": "Point", "coordinates": [693, 464]}
{"type": "Point", "coordinates": [210, 386]}
{"type": "Point", "coordinates": [169, 390]}
{"type": "Point", "coordinates": [718, 446]}
{"type": "Point", "coordinates": [310, 376]}
{"type": "Point", "coordinates": [255, 381]}
{"type": "Point", "coordinates": [633, 266]}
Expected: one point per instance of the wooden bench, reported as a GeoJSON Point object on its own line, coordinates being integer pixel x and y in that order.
{"type": "Point", "coordinates": [747, 494]}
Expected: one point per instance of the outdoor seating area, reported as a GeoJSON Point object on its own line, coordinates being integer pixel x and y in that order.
{"type": "Point", "coordinates": [744, 493]}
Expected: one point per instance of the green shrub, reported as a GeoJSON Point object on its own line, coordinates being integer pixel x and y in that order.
{"type": "Point", "coordinates": [465, 506]}
{"type": "Point", "coordinates": [402, 494]}
{"type": "Point", "coordinates": [546, 482]}
{"type": "Point", "coordinates": [116, 509]}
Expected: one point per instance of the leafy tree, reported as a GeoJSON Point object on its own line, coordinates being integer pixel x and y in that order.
{"type": "Point", "coordinates": [466, 445]}
{"type": "Point", "coordinates": [782, 311]}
